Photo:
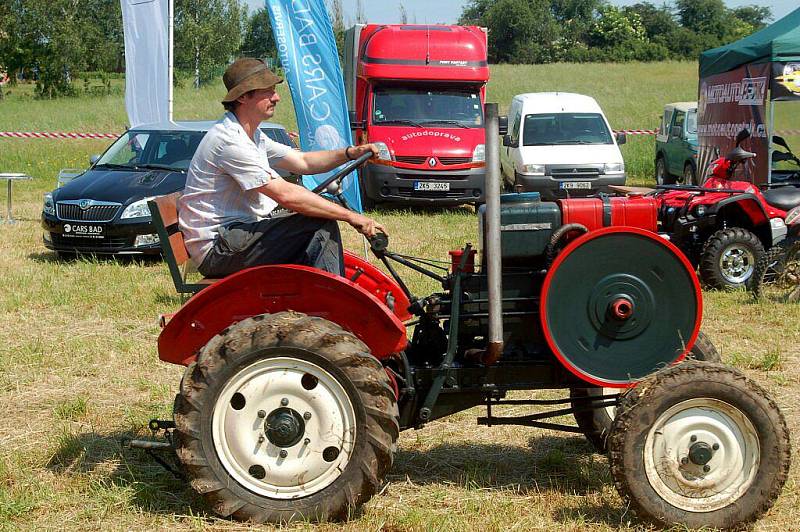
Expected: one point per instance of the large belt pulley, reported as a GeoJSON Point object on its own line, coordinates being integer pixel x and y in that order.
{"type": "Point", "coordinates": [619, 303]}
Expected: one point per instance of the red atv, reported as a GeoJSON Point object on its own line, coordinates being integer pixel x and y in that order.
{"type": "Point", "coordinates": [298, 381]}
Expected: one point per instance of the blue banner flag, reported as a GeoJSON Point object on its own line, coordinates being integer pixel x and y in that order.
{"type": "Point", "coordinates": [307, 50]}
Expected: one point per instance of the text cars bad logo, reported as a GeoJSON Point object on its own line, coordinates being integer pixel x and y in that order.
{"type": "Point", "coordinates": [749, 91]}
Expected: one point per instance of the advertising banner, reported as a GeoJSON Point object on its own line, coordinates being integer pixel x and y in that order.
{"type": "Point", "coordinates": [307, 50]}
{"type": "Point", "coordinates": [786, 81]}
{"type": "Point", "coordinates": [147, 76]}
{"type": "Point", "coordinates": [729, 102]}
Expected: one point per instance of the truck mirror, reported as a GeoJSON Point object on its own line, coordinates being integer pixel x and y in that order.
{"type": "Point", "coordinates": [93, 159]}
{"type": "Point", "coordinates": [351, 115]}
{"type": "Point", "coordinates": [507, 141]}
{"type": "Point", "coordinates": [677, 131]}
{"type": "Point", "coordinates": [502, 124]}
{"type": "Point", "coordinates": [621, 138]}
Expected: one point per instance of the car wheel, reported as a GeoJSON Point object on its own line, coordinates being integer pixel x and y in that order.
{"type": "Point", "coordinates": [284, 417]}
{"type": "Point", "coordinates": [729, 258]}
{"type": "Point", "coordinates": [596, 423]}
{"type": "Point", "coordinates": [662, 176]}
{"type": "Point", "coordinates": [699, 445]}
{"type": "Point", "coordinates": [688, 177]}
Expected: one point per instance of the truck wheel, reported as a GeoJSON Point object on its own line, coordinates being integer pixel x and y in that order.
{"type": "Point", "coordinates": [596, 423]}
{"type": "Point", "coordinates": [285, 417]}
{"type": "Point", "coordinates": [699, 445]}
{"type": "Point", "coordinates": [662, 175]}
{"type": "Point", "coordinates": [688, 177]}
{"type": "Point", "coordinates": [777, 275]}
{"type": "Point", "coordinates": [729, 258]}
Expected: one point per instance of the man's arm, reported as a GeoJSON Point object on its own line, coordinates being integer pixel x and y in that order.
{"type": "Point", "coordinates": [316, 162]}
{"type": "Point", "coordinates": [301, 200]}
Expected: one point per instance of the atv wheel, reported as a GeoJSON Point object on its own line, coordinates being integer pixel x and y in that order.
{"type": "Point", "coordinates": [596, 423]}
{"type": "Point", "coordinates": [699, 445]}
{"type": "Point", "coordinates": [285, 417]}
{"type": "Point", "coordinates": [662, 175]}
{"type": "Point", "coordinates": [729, 258]}
{"type": "Point", "coordinates": [777, 275]}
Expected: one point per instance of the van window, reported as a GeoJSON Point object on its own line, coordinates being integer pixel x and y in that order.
{"type": "Point", "coordinates": [565, 128]}
{"type": "Point", "coordinates": [680, 117]}
{"type": "Point", "coordinates": [422, 106]}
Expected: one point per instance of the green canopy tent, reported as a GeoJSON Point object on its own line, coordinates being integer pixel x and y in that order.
{"type": "Point", "coordinates": [738, 80]}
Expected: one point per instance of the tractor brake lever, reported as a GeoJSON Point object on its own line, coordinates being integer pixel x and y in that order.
{"type": "Point", "coordinates": [378, 243]}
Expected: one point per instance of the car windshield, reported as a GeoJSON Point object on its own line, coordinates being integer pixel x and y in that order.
{"type": "Point", "coordinates": [691, 122]}
{"type": "Point", "coordinates": [565, 128]}
{"type": "Point", "coordinates": [165, 150]}
{"type": "Point", "coordinates": [446, 107]}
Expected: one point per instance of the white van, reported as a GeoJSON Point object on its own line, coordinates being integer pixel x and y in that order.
{"type": "Point", "coordinates": [560, 145]}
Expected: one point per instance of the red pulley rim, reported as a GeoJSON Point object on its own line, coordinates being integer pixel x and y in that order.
{"type": "Point", "coordinates": [563, 256]}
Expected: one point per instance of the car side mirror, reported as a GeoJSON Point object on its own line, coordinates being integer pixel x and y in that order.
{"type": "Point", "coordinates": [621, 138]}
{"type": "Point", "coordinates": [93, 159]}
{"type": "Point", "coordinates": [677, 131]}
{"type": "Point", "coordinates": [502, 124]}
{"type": "Point", "coordinates": [508, 142]}
{"type": "Point", "coordinates": [355, 124]}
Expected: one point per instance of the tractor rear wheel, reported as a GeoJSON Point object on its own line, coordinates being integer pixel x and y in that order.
{"type": "Point", "coordinates": [596, 423]}
{"type": "Point", "coordinates": [285, 417]}
{"type": "Point", "coordinates": [699, 445]}
{"type": "Point", "coordinates": [729, 258]}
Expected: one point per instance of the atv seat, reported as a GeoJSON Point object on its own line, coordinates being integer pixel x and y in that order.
{"type": "Point", "coordinates": [784, 198]}
{"type": "Point", "coordinates": [164, 211]}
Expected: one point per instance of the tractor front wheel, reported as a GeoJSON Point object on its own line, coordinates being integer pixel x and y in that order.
{"type": "Point", "coordinates": [596, 422]}
{"type": "Point", "coordinates": [285, 417]}
{"type": "Point", "coordinates": [699, 445]}
{"type": "Point", "coordinates": [729, 258]}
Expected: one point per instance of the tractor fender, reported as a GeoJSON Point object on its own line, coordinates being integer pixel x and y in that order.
{"type": "Point", "coordinates": [378, 284]}
{"type": "Point", "coordinates": [270, 289]}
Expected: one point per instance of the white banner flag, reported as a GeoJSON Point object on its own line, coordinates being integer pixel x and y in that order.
{"type": "Point", "coordinates": [147, 77]}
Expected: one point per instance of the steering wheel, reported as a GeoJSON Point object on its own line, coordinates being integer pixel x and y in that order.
{"type": "Point", "coordinates": [341, 174]}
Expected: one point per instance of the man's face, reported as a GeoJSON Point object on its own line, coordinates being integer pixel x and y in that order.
{"type": "Point", "coordinates": [262, 101]}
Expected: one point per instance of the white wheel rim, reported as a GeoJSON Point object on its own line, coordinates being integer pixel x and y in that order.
{"type": "Point", "coordinates": [736, 263]}
{"type": "Point", "coordinates": [243, 446]}
{"type": "Point", "coordinates": [731, 469]}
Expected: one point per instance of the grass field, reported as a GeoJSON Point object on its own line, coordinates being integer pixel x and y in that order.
{"type": "Point", "coordinates": [79, 370]}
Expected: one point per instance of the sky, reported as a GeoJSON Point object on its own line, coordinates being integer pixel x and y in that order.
{"type": "Point", "coordinates": [448, 11]}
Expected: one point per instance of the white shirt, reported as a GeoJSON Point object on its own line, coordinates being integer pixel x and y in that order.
{"type": "Point", "coordinates": [221, 183]}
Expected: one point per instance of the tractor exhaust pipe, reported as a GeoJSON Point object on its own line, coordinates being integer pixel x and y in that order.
{"type": "Point", "coordinates": [492, 235]}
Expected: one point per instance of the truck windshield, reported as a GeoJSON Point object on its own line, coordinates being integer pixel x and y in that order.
{"type": "Point", "coordinates": [166, 150]}
{"type": "Point", "coordinates": [565, 128]}
{"type": "Point", "coordinates": [691, 122]}
{"type": "Point", "coordinates": [440, 107]}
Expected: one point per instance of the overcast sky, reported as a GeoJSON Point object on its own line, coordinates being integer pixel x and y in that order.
{"type": "Point", "coordinates": [448, 11]}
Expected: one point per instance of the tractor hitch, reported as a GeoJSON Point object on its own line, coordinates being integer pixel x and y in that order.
{"type": "Point", "coordinates": [152, 445]}
{"type": "Point", "coordinates": [534, 420]}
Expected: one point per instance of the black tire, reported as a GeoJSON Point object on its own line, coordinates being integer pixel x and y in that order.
{"type": "Point", "coordinates": [596, 423]}
{"type": "Point", "coordinates": [689, 176]}
{"type": "Point", "coordinates": [777, 274]}
{"type": "Point", "coordinates": [659, 467]}
{"type": "Point", "coordinates": [662, 174]}
{"type": "Point", "coordinates": [729, 258]}
{"type": "Point", "coordinates": [223, 466]}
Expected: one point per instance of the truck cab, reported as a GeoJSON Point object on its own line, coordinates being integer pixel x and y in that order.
{"type": "Point", "coordinates": [676, 145]}
{"type": "Point", "coordinates": [418, 92]}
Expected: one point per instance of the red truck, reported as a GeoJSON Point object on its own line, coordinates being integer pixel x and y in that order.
{"type": "Point", "coordinates": [418, 92]}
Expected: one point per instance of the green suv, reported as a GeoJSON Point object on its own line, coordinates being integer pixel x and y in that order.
{"type": "Point", "coordinates": [676, 145]}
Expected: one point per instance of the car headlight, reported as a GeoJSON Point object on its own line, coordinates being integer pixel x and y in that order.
{"type": "Point", "coordinates": [137, 209]}
{"type": "Point", "coordinates": [49, 206]}
{"type": "Point", "coordinates": [479, 155]}
{"type": "Point", "coordinates": [383, 151]}
{"type": "Point", "coordinates": [614, 168]}
{"type": "Point", "coordinates": [533, 169]}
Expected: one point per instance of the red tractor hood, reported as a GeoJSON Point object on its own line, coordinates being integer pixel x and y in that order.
{"type": "Point", "coordinates": [428, 141]}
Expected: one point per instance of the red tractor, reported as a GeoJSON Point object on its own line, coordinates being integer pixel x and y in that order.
{"type": "Point", "coordinates": [298, 382]}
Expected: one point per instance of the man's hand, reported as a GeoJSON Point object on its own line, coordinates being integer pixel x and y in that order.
{"type": "Point", "coordinates": [366, 226]}
{"type": "Point", "coordinates": [354, 152]}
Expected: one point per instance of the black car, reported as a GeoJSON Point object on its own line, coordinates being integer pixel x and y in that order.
{"type": "Point", "coordinates": [104, 210]}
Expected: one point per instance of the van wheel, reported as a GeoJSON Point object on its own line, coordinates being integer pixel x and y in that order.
{"type": "Point", "coordinates": [662, 176]}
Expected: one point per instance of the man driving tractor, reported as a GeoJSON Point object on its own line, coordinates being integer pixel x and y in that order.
{"type": "Point", "coordinates": [232, 189]}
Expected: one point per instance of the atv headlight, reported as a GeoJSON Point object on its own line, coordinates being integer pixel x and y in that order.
{"type": "Point", "coordinates": [534, 169]}
{"type": "Point", "coordinates": [479, 155]}
{"type": "Point", "coordinates": [383, 151]}
{"type": "Point", "coordinates": [49, 206]}
{"type": "Point", "coordinates": [137, 209]}
{"type": "Point", "coordinates": [614, 168]}
{"type": "Point", "coordinates": [700, 211]}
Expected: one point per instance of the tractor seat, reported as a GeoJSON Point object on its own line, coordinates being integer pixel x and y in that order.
{"type": "Point", "coordinates": [783, 198]}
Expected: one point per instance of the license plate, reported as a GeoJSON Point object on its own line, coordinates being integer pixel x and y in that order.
{"type": "Point", "coordinates": [576, 184]}
{"type": "Point", "coordinates": [431, 185]}
{"type": "Point", "coordinates": [82, 230]}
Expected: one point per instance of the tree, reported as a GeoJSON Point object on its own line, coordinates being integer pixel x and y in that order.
{"type": "Point", "coordinates": [707, 17]}
{"type": "Point", "coordinates": [207, 35]}
{"type": "Point", "coordinates": [521, 31]}
{"type": "Point", "coordinates": [361, 17]}
{"type": "Point", "coordinates": [258, 39]}
{"type": "Point", "coordinates": [336, 14]}
{"type": "Point", "coordinates": [756, 16]}
{"type": "Point", "coordinates": [403, 15]}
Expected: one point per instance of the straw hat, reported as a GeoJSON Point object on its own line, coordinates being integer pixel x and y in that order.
{"type": "Point", "coordinates": [247, 74]}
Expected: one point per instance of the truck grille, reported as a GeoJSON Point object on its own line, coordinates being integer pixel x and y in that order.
{"type": "Point", "coordinates": [97, 211]}
{"type": "Point", "coordinates": [411, 193]}
{"type": "Point", "coordinates": [411, 159]}
{"type": "Point", "coordinates": [455, 160]}
{"type": "Point", "coordinates": [574, 172]}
